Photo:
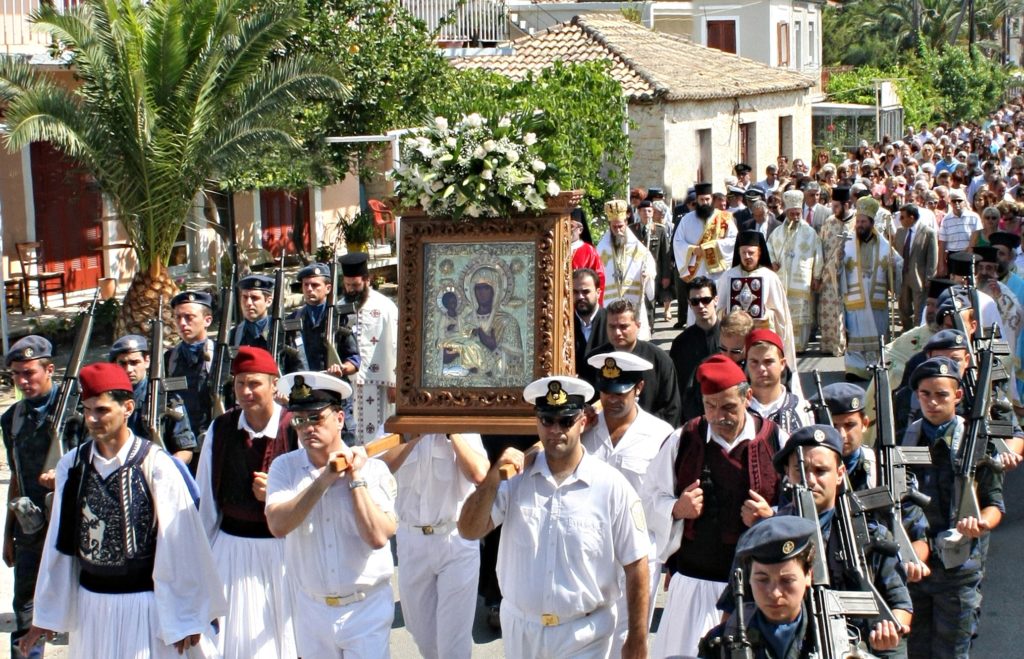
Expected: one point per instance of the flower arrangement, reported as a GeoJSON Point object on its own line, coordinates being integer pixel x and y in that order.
{"type": "Point", "coordinates": [479, 167]}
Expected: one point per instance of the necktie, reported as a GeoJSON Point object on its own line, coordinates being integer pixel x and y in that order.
{"type": "Point", "coordinates": [906, 251]}
{"type": "Point", "coordinates": [810, 215]}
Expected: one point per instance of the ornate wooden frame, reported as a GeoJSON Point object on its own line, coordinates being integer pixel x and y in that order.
{"type": "Point", "coordinates": [482, 409]}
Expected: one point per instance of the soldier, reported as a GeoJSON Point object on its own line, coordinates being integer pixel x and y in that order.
{"type": "Point", "coordinates": [336, 526]}
{"type": "Point", "coordinates": [240, 447]}
{"type": "Point", "coordinates": [192, 359]}
{"type": "Point", "coordinates": [27, 440]}
{"type": "Point", "coordinates": [846, 402]}
{"type": "Point", "coordinates": [126, 569]}
{"type": "Point", "coordinates": [131, 352]}
{"type": "Point", "coordinates": [567, 504]}
{"type": "Point", "coordinates": [255, 297]}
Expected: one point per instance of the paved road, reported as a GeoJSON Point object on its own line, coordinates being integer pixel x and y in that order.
{"type": "Point", "coordinates": [1001, 614]}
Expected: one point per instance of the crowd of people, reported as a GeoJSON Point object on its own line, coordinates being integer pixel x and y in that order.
{"type": "Point", "coordinates": [705, 468]}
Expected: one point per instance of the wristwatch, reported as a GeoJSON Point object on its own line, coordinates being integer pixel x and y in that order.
{"type": "Point", "coordinates": [357, 483]}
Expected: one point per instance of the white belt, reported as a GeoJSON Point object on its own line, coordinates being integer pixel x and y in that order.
{"type": "Point", "coordinates": [443, 528]}
{"type": "Point", "coordinates": [547, 619]}
{"type": "Point", "coordinates": [351, 598]}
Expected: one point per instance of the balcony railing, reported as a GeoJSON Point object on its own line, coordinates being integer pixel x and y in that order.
{"type": "Point", "coordinates": [472, 22]}
{"type": "Point", "coordinates": [16, 33]}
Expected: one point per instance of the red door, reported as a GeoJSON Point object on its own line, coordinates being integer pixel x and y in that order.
{"type": "Point", "coordinates": [280, 211]}
{"type": "Point", "coordinates": [69, 209]}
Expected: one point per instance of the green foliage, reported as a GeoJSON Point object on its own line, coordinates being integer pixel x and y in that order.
{"type": "Point", "coordinates": [357, 229]}
{"type": "Point", "coordinates": [586, 109]}
{"type": "Point", "coordinates": [171, 94]}
{"type": "Point", "coordinates": [968, 85]}
{"type": "Point", "coordinates": [917, 95]}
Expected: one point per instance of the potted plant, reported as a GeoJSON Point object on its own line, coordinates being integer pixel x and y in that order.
{"type": "Point", "coordinates": [358, 231]}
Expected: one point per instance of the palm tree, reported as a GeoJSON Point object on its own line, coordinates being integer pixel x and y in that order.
{"type": "Point", "coordinates": [172, 93]}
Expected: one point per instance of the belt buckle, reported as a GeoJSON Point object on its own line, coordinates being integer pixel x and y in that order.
{"type": "Point", "coordinates": [548, 619]}
{"type": "Point", "coordinates": [333, 601]}
{"type": "Point", "coordinates": [427, 530]}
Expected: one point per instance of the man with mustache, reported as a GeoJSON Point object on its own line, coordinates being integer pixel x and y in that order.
{"type": "Point", "coordinates": [711, 479]}
{"type": "Point", "coordinates": [629, 267]}
{"type": "Point", "coordinates": [704, 240]}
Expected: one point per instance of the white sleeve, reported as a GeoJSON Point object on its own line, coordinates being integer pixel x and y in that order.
{"type": "Point", "coordinates": [186, 586]}
{"type": "Point", "coordinates": [208, 511]}
{"type": "Point", "coordinates": [629, 526]}
{"type": "Point", "coordinates": [500, 505]}
{"type": "Point", "coordinates": [56, 595]}
{"type": "Point", "coordinates": [659, 498]}
{"type": "Point", "coordinates": [280, 487]}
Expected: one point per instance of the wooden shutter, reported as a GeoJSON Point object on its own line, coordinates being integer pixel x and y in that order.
{"type": "Point", "coordinates": [722, 35]}
{"type": "Point", "coordinates": [782, 43]}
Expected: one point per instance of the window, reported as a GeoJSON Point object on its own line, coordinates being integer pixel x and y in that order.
{"type": "Point", "coordinates": [748, 143]}
{"type": "Point", "coordinates": [811, 45]}
{"type": "Point", "coordinates": [704, 147]}
{"type": "Point", "coordinates": [782, 44]}
{"type": "Point", "coordinates": [722, 35]}
{"type": "Point", "coordinates": [799, 32]}
{"type": "Point", "coordinates": [786, 136]}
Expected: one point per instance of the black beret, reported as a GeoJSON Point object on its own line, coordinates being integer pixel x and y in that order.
{"type": "Point", "coordinates": [936, 367]}
{"type": "Point", "coordinates": [843, 397]}
{"type": "Point", "coordinates": [129, 343]}
{"type": "Point", "coordinates": [355, 264]}
{"type": "Point", "coordinates": [945, 301]}
{"type": "Point", "coordinates": [257, 283]}
{"type": "Point", "coordinates": [192, 297]}
{"type": "Point", "coordinates": [815, 435]}
{"type": "Point", "coordinates": [776, 539]}
{"type": "Point", "coordinates": [947, 339]}
{"type": "Point", "coordinates": [28, 348]}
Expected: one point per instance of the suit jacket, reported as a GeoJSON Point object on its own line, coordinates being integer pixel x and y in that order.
{"type": "Point", "coordinates": [598, 336]}
{"type": "Point", "coordinates": [820, 213]}
{"type": "Point", "coordinates": [660, 396]}
{"type": "Point", "coordinates": [923, 257]}
{"type": "Point", "coordinates": [750, 225]}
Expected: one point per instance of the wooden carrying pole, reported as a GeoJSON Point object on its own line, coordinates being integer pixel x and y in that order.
{"type": "Point", "coordinates": [385, 443]}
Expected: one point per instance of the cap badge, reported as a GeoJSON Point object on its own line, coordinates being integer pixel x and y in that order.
{"type": "Point", "coordinates": [611, 370]}
{"type": "Point", "coordinates": [316, 271]}
{"type": "Point", "coordinates": [959, 339]}
{"type": "Point", "coordinates": [133, 344]}
{"type": "Point", "coordinates": [28, 352]}
{"type": "Point", "coordinates": [819, 436]}
{"type": "Point", "coordinates": [556, 395]}
{"type": "Point", "coordinates": [855, 402]}
{"type": "Point", "coordinates": [300, 390]}
{"type": "Point", "coordinates": [788, 545]}
{"type": "Point", "coordinates": [943, 369]}
{"type": "Point", "coordinates": [191, 297]}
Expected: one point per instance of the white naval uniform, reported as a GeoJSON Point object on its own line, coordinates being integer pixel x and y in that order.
{"type": "Point", "coordinates": [631, 457]}
{"type": "Point", "coordinates": [326, 559]}
{"type": "Point", "coordinates": [258, 623]}
{"type": "Point", "coordinates": [561, 553]}
{"type": "Point", "coordinates": [186, 593]}
{"type": "Point", "coordinates": [439, 570]}
{"type": "Point", "coordinates": [376, 330]}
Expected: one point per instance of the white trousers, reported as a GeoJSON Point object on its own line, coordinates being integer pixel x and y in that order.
{"type": "Point", "coordinates": [124, 626]}
{"type": "Point", "coordinates": [437, 580]}
{"type": "Point", "coordinates": [589, 637]}
{"type": "Point", "coordinates": [689, 614]}
{"type": "Point", "coordinates": [622, 605]}
{"type": "Point", "coordinates": [259, 620]}
{"type": "Point", "coordinates": [358, 631]}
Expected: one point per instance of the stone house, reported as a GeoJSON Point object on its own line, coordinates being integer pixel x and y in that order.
{"type": "Point", "coordinates": [695, 111]}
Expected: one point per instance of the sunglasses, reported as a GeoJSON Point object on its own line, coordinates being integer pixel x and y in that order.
{"type": "Point", "coordinates": [564, 422]}
{"type": "Point", "coordinates": [310, 420]}
{"type": "Point", "coordinates": [730, 351]}
{"type": "Point", "coordinates": [700, 301]}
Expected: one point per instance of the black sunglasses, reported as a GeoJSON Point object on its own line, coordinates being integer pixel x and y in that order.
{"type": "Point", "coordinates": [731, 351]}
{"type": "Point", "coordinates": [698, 301]}
{"type": "Point", "coordinates": [564, 422]}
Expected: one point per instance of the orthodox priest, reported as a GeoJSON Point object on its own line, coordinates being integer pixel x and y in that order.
{"type": "Point", "coordinates": [796, 251]}
{"type": "Point", "coordinates": [752, 285]}
{"type": "Point", "coordinates": [704, 240]}
{"type": "Point", "coordinates": [870, 270]}
{"type": "Point", "coordinates": [834, 232]}
{"type": "Point", "coordinates": [629, 268]}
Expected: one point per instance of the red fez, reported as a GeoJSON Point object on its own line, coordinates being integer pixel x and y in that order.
{"type": "Point", "coordinates": [253, 360]}
{"type": "Point", "coordinates": [718, 373]}
{"type": "Point", "coordinates": [765, 336]}
{"type": "Point", "coordinates": [96, 379]}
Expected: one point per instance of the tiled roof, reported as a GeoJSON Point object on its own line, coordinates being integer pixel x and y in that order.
{"type": "Point", "coordinates": [648, 64]}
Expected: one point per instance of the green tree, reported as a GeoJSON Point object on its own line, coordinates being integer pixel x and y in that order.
{"type": "Point", "coordinates": [171, 93]}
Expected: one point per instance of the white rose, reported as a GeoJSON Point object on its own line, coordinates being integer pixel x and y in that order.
{"type": "Point", "coordinates": [512, 156]}
{"type": "Point", "coordinates": [424, 201]}
{"type": "Point", "coordinates": [479, 152]}
{"type": "Point", "coordinates": [474, 120]}
{"type": "Point", "coordinates": [441, 123]}
{"type": "Point", "coordinates": [529, 139]}
{"type": "Point", "coordinates": [451, 142]}
{"type": "Point", "coordinates": [519, 206]}
{"type": "Point", "coordinates": [436, 186]}
{"type": "Point", "coordinates": [528, 178]}
{"type": "Point", "coordinates": [504, 122]}
{"type": "Point", "coordinates": [553, 188]}
{"type": "Point", "coordinates": [473, 210]}
{"type": "Point", "coordinates": [489, 145]}
{"type": "Point", "coordinates": [487, 174]}
{"type": "Point", "coordinates": [538, 166]}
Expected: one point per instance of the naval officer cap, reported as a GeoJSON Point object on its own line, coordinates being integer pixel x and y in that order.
{"type": "Point", "coordinates": [314, 270]}
{"type": "Point", "coordinates": [843, 397]}
{"type": "Point", "coordinates": [618, 372]}
{"type": "Point", "coordinates": [129, 343]}
{"type": "Point", "coordinates": [311, 390]}
{"type": "Point", "coordinates": [812, 436]}
{"type": "Point", "coordinates": [935, 367]}
{"type": "Point", "coordinates": [558, 395]}
{"type": "Point", "coordinates": [192, 297]}
{"type": "Point", "coordinates": [28, 348]}
{"type": "Point", "coordinates": [776, 539]}
{"type": "Point", "coordinates": [947, 339]}
{"type": "Point", "coordinates": [256, 283]}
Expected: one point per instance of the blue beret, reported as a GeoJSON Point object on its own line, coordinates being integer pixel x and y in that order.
{"type": "Point", "coordinates": [29, 348]}
{"type": "Point", "coordinates": [947, 339]}
{"type": "Point", "coordinates": [843, 397]}
{"type": "Point", "coordinates": [192, 297]}
{"type": "Point", "coordinates": [936, 367]}
{"type": "Point", "coordinates": [256, 283]}
{"type": "Point", "coordinates": [314, 270]}
{"type": "Point", "coordinates": [815, 435]}
{"type": "Point", "coordinates": [776, 539]}
{"type": "Point", "coordinates": [129, 343]}
{"type": "Point", "coordinates": [355, 264]}
{"type": "Point", "coordinates": [944, 303]}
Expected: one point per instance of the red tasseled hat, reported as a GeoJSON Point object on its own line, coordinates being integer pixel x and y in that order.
{"type": "Point", "coordinates": [718, 373]}
{"type": "Point", "coordinates": [767, 336]}
{"type": "Point", "coordinates": [253, 360]}
{"type": "Point", "coordinates": [96, 379]}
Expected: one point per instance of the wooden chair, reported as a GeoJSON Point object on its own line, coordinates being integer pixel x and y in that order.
{"type": "Point", "coordinates": [14, 293]}
{"type": "Point", "coordinates": [32, 262]}
{"type": "Point", "coordinates": [383, 217]}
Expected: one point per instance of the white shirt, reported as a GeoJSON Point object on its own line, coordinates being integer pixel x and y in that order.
{"type": "Point", "coordinates": [563, 546]}
{"type": "Point", "coordinates": [636, 448]}
{"type": "Point", "coordinates": [431, 487]}
{"type": "Point", "coordinates": [771, 407]}
{"type": "Point", "coordinates": [325, 556]}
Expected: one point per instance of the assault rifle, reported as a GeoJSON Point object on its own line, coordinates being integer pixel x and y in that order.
{"type": "Point", "coordinates": [738, 646]}
{"type": "Point", "coordinates": [155, 382]}
{"type": "Point", "coordinates": [893, 460]}
{"type": "Point", "coordinates": [821, 411]}
{"type": "Point", "coordinates": [66, 404]}
{"type": "Point", "coordinates": [276, 337]}
{"type": "Point", "coordinates": [330, 323]}
{"type": "Point", "coordinates": [222, 349]}
{"type": "Point", "coordinates": [855, 538]}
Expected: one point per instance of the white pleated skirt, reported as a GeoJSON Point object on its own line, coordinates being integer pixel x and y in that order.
{"type": "Point", "coordinates": [689, 614]}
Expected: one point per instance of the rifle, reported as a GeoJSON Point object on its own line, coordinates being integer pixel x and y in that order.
{"type": "Point", "coordinates": [67, 399]}
{"type": "Point", "coordinates": [222, 350]}
{"type": "Point", "coordinates": [333, 358]}
{"type": "Point", "coordinates": [158, 384]}
{"type": "Point", "coordinates": [822, 413]}
{"type": "Point", "coordinates": [854, 537]}
{"type": "Point", "coordinates": [277, 313]}
{"type": "Point", "coordinates": [738, 646]}
{"type": "Point", "coordinates": [893, 460]}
